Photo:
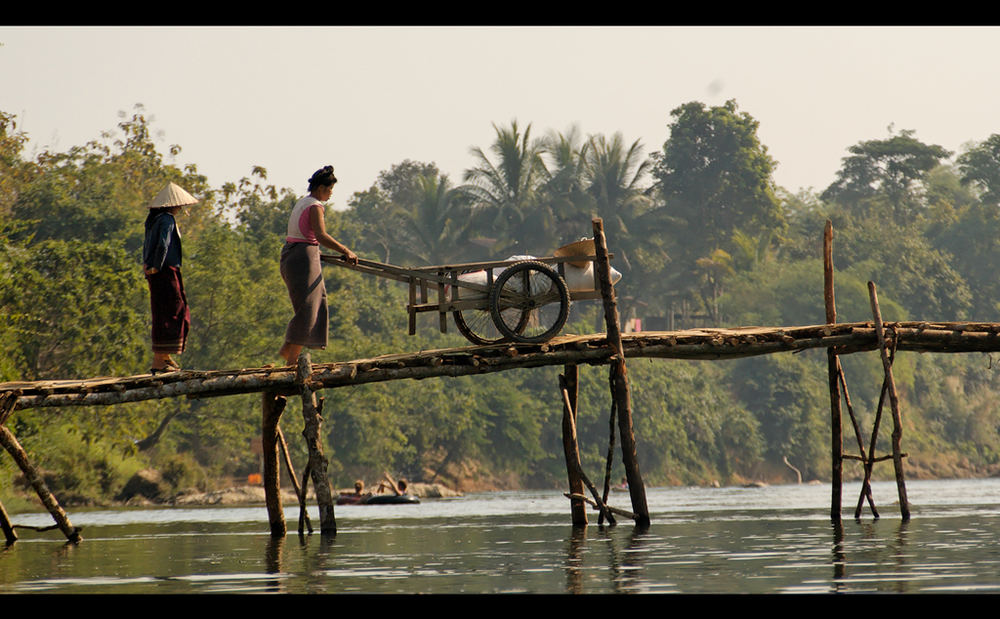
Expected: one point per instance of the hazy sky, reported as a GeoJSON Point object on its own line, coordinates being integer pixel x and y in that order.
{"type": "Point", "coordinates": [364, 98]}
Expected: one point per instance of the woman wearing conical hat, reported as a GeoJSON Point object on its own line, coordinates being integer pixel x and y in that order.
{"type": "Point", "coordinates": [301, 268]}
{"type": "Point", "coordinates": [161, 262]}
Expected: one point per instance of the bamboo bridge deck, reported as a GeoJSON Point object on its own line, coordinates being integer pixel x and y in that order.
{"type": "Point", "coordinates": [706, 343]}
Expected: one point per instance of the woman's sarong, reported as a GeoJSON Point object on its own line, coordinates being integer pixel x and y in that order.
{"type": "Point", "coordinates": [303, 275]}
{"type": "Point", "coordinates": [171, 316]}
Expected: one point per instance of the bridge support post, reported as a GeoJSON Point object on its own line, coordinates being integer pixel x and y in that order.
{"type": "Point", "coordinates": [20, 456]}
{"type": "Point", "coordinates": [833, 373]}
{"type": "Point", "coordinates": [272, 407]}
{"type": "Point", "coordinates": [569, 381]}
{"type": "Point", "coordinates": [8, 529]}
{"type": "Point", "coordinates": [897, 420]}
{"type": "Point", "coordinates": [620, 384]}
{"type": "Point", "coordinates": [318, 464]}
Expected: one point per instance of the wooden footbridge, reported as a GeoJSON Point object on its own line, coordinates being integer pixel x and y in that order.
{"type": "Point", "coordinates": [611, 348]}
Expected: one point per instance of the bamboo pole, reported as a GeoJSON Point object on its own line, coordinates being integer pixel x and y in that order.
{"type": "Point", "coordinates": [866, 491]}
{"type": "Point", "coordinates": [574, 463]}
{"type": "Point", "coordinates": [318, 464]}
{"type": "Point", "coordinates": [303, 515]}
{"type": "Point", "coordinates": [836, 416]}
{"type": "Point", "coordinates": [869, 463]}
{"type": "Point", "coordinates": [300, 492]}
{"type": "Point", "coordinates": [609, 459]}
{"type": "Point", "coordinates": [620, 386]}
{"type": "Point", "coordinates": [20, 456]}
{"type": "Point", "coordinates": [272, 406]}
{"type": "Point", "coordinates": [897, 420]}
{"type": "Point", "coordinates": [569, 385]}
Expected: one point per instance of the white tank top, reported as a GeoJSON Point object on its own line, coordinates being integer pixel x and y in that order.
{"type": "Point", "coordinates": [299, 225]}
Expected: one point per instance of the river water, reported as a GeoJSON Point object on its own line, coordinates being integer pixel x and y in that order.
{"type": "Point", "coordinates": [776, 539]}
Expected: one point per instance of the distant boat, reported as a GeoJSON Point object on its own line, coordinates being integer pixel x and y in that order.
{"type": "Point", "coordinates": [376, 499]}
{"type": "Point", "coordinates": [391, 499]}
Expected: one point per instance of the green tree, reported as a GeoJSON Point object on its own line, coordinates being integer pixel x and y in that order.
{"type": "Point", "coordinates": [73, 308]}
{"type": "Point", "coordinates": [714, 175]}
{"type": "Point", "coordinates": [714, 179]}
{"type": "Point", "coordinates": [980, 166]}
{"type": "Point", "coordinates": [888, 170]}
{"type": "Point", "coordinates": [505, 191]}
{"type": "Point", "coordinates": [377, 215]}
{"type": "Point", "coordinates": [14, 170]}
{"type": "Point", "coordinates": [100, 190]}
{"type": "Point", "coordinates": [435, 227]}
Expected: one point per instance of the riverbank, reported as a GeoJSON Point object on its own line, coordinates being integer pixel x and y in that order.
{"type": "Point", "coordinates": [254, 494]}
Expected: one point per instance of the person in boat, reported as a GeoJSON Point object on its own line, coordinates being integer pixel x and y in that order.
{"type": "Point", "coordinates": [399, 495]}
{"type": "Point", "coordinates": [301, 268]}
{"type": "Point", "coordinates": [161, 264]}
{"type": "Point", "coordinates": [358, 496]}
{"type": "Point", "coordinates": [398, 488]}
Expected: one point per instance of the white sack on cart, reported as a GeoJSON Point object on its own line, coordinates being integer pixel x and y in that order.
{"type": "Point", "coordinates": [577, 279]}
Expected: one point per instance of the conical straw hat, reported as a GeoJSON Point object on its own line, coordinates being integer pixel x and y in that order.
{"type": "Point", "coordinates": [172, 195]}
{"type": "Point", "coordinates": [583, 247]}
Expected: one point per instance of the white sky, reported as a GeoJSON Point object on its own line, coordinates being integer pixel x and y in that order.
{"type": "Point", "coordinates": [364, 98]}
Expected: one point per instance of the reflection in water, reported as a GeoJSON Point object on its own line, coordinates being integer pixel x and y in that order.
{"type": "Point", "coordinates": [574, 560]}
{"type": "Point", "coordinates": [899, 554]}
{"type": "Point", "coordinates": [729, 540]}
{"type": "Point", "coordinates": [272, 559]}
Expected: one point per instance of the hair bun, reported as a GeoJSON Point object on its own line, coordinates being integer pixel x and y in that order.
{"type": "Point", "coordinates": [323, 176]}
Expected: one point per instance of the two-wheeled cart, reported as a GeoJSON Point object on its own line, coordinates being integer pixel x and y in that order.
{"type": "Point", "coordinates": [520, 300]}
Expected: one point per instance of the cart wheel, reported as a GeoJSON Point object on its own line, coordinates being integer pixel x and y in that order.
{"type": "Point", "coordinates": [477, 326]}
{"type": "Point", "coordinates": [529, 302]}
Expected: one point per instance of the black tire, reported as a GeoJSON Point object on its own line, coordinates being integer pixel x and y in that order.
{"type": "Point", "coordinates": [477, 325]}
{"type": "Point", "coordinates": [529, 302]}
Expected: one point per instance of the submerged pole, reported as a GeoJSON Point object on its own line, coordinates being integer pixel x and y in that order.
{"type": "Point", "coordinates": [620, 386]}
{"type": "Point", "coordinates": [833, 374]}
{"type": "Point", "coordinates": [318, 463]}
{"type": "Point", "coordinates": [300, 492]}
{"type": "Point", "coordinates": [569, 381]}
{"type": "Point", "coordinates": [7, 527]}
{"type": "Point", "coordinates": [272, 407]}
{"type": "Point", "coordinates": [897, 420]}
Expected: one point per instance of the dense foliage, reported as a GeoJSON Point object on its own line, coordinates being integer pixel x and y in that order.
{"type": "Point", "coordinates": [700, 231]}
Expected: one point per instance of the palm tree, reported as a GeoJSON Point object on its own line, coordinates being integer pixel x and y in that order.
{"type": "Point", "coordinates": [505, 191]}
{"type": "Point", "coordinates": [435, 226]}
{"type": "Point", "coordinates": [614, 174]}
{"type": "Point", "coordinates": [565, 193]}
